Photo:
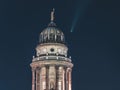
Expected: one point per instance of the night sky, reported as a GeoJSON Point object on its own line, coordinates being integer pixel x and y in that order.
{"type": "Point", "coordinates": [92, 31]}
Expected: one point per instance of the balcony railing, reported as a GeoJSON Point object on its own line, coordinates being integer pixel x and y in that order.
{"type": "Point", "coordinates": [41, 58]}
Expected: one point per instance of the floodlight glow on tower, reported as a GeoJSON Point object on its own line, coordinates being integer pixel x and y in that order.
{"type": "Point", "coordinates": [51, 68]}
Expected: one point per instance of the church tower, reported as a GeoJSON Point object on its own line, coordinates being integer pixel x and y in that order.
{"type": "Point", "coordinates": [51, 67]}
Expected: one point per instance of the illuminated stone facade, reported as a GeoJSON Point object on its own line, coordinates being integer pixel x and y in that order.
{"type": "Point", "coordinates": [51, 67]}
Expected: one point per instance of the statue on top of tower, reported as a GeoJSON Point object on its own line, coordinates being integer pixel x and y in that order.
{"type": "Point", "coordinates": [52, 15]}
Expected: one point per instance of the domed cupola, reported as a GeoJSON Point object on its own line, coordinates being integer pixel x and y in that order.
{"type": "Point", "coordinates": [52, 34]}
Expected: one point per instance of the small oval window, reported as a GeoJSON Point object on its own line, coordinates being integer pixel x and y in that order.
{"type": "Point", "coordinates": [52, 49]}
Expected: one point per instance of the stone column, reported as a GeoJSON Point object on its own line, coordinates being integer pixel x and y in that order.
{"type": "Point", "coordinates": [43, 78]}
{"type": "Point", "coordinates": [33, 79]}
{"type": "Point", "coordinates": [60, 78]}
{"type": "Point", "coordinates": [67, 79]}
{"type": "Point", "coordinates": [38, 79]}
{"type": "Point", "coordinates": [63, 85]}
{"type": "Point", "coordinates": [70, 79]}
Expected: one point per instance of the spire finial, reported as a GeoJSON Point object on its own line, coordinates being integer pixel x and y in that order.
{"type": "Point", "coordinates": [52, 15]}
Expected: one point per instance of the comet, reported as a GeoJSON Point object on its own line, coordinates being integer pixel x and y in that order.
{"type": "Point", "coordinates": [75, 20]}
{"type": "Point", "coordinates": [79, 13]}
